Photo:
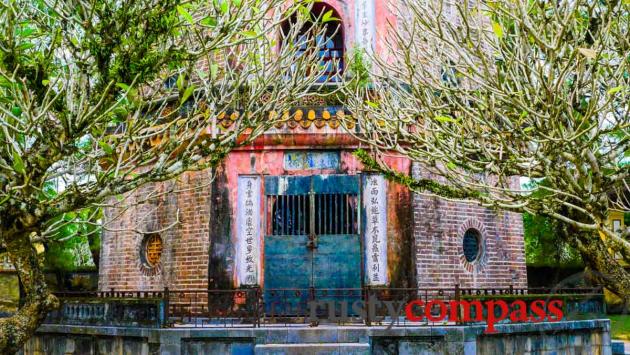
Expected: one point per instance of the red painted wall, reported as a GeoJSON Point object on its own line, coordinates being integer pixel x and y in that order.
{"type": "Point", "coordinates": [270, 162]}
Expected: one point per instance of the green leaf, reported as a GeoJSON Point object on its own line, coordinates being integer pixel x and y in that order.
{"type": "Point", "coordinates": [18, 163]}
{"type": "Point", "coordinates": [587, 52]}
{"type": "Point", "coordinates": [185, 15]}
{"type": "Point", "coordinates": [492, 4]}
{"type": "Point", "coordinates": [250, 34]}
{"type": "Point", "coordinates": [25, 46]}
{"type": "Point", "coordinates": [615, 90]}
{"type": "Point", "coordinates": [497, 29]}
{"type": "Point", "coordinates": [328, 16]}
{"type": "Point", "coordinates": [214, 70]}
{"type": "Point", "coordinates": [443, 119]}
{"type": "Point", "coordinates": [25, 32]}
{"type": "Point", "coordinates": [106, 147]}
{"type": "Point", "coordinates": [121, 111]}
{"type": "Point", "coordinates": [528, 129]}
{"type": "Point", "coordinates": [237, 2]}
{"type": "Point", "coordinates": [69, 216]}
{"type": "Point", "coordinates": [45, 82]}
{"type": "Point", "coordinates": [209, 21]}
{"type": "Point", "coordinates": [69, 230]}
{"type": "Point", "coordinates": [130, 92]}
{"type": "Point", "coordinates": [49, 190]}
{"type": "Point", "coordinates": [451, 165]}
{"type": "Point", "coordinates": [123, 86]}
{"type": "Point", "coordinates": [187, 93]}
{"type": "Point", "coordinates": [371, 104]}
{"type": "Point", "coordinates": [303, 11]}
{"type": "Point", "coordinates": [5, 199]}
{"type": "Point", "coordinates": [4, 82]}
{"type": "Point", "coordinates": [180, 82]}
{"type": "Point", "coordinates": [225, 6]}
{"type": "Point", "coordinates": [84, 214]}
{"type": "Point", "coordinates": [16, 111]}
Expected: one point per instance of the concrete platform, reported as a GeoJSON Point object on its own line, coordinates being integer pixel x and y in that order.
{"type": "Point", "coordinates": [565, 337]}
{"type": "Point", "coordinates": [313, 349]}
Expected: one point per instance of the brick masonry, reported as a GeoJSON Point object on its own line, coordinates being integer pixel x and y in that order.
{"type": "Point", "coordinates": [199, 251]}
{"type": "Point", "coordinates": [439, 226]}
{"type": "Point", "coordinates": [203, 236]}
{"type": "Point", "coordinates": [184, 260]}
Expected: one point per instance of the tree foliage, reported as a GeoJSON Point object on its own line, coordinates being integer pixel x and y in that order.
{"type": "Point", "coordinates": [100, 97]}
{"type": "Point", "coordinates": [481, 94]}
{"type": "Point", "coordinates": [75, 245]}
{"type": "Point", "coordinates": [544, 246]}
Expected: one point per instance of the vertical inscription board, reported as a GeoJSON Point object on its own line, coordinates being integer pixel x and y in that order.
{"type": "Point", "coordinates": [248, 230]}
{"type": "Point", "coordinates": [365, 26]}
{"type": "Point", "coordinates": [375, 228]}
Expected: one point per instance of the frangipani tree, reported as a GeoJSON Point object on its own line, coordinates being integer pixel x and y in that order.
{"type": "Point", "coordinates": [482, 94]}
{"type": "Point", "coordinates": [100, 97]}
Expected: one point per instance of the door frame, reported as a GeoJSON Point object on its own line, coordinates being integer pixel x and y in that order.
{"type": "Point", "coordinates": [359, 216]}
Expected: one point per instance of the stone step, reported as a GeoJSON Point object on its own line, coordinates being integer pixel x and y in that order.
{"type": "Point", "coordinates": [313, 349]}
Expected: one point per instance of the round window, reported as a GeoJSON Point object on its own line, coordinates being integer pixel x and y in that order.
{"type": "Point", "coordinates": [472, 244]}
{"type": "Point", "coordinates": [152, 249]}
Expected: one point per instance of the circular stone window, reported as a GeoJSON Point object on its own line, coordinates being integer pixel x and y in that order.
{"type": "Point", "coordinates": [152, 250]}
{"type": "Point", "coordinates": [472, 245]}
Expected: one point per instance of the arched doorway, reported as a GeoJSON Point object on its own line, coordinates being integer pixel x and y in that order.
{"type": "Point", "coordinates": [329, 43]}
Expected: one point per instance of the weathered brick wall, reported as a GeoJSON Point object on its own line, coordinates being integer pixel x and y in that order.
{"type": "Point", "coordinates": [439, 226]}
{"type": "Point", "coordinates": [205, 216]}
{"type": "Point", "coordinates": [184, 261]}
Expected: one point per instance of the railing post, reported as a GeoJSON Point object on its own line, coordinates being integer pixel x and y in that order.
{"type": "Point", "coordinates": [258, 305]}
{"type": "Point", "coordinates": [165, 303]}
{"type": "Point", "coordinates": [602, 299]}
{"type": "Point", "coordinates": [511, 289]}
{"type": "Point", "coordinates": [457, 299]}
{"type": "Point", "coordinates": [368, 316]}
{"type": "Point", "coordinates": [311, 298]}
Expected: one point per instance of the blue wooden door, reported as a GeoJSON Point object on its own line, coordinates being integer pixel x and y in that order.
{"type": "Point", "coordinates": [312, 245]}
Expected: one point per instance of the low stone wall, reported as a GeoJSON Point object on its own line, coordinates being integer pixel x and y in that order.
{"type": "Point", "coordinates": [567, 337]}
{"type": "Point", "coordinates": [133, 312]}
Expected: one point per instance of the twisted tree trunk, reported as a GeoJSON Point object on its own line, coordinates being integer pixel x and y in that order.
{"type": "Point", "coordinates": [17, 329]}
{"type": "Point", "coordinates": [605, 269]}
{"type": "Point", "coordinates": [611, 273]}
